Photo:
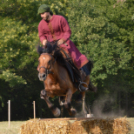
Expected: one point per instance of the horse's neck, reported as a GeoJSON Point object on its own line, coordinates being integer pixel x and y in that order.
{"type": "Point", "coordinates": [55, 75]}
{"type": "Point", "coordinates": [58, 72]}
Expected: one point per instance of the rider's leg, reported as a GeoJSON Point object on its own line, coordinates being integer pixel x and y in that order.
{"type": "Point", "coordinates": [79, 60]}
{"type": "Point", "coordinates": [85, 72]}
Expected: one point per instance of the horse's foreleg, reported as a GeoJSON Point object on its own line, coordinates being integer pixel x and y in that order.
{"type": "Point", "coordinates": [84, 106]}
{"type": "Point", "coordinates": [85, 110]}
{"type": "Point", "coordinates": [55, 110]}
{"type": "Point", "coordinates": [81, 100]}
{"type": "Point", "coordinates": [67, 103]}
{"type": "Point", "coordinates": [61, 102]}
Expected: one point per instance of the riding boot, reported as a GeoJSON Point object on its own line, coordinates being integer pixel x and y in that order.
{"type": "Point", "coordinates": [85, 71]}
{"type": "Point", "coordinates": [82, 85]}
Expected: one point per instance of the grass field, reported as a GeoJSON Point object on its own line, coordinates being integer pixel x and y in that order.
{"type": "Point", "coordinates": [131, 120]}
{"type": "Point", "coordinates": [15, 126]}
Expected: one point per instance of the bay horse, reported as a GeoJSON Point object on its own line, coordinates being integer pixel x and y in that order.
{"type": "Point", "coordinates": [57, 79]}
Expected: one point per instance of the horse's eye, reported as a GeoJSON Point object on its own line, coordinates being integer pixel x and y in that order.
{"type": "Point", "coordinates": [49, 62]}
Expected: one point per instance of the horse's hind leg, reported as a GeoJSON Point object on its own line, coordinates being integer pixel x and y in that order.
{"type": "Point", "coordinates": [81, 98]}
{"type": "Point", "coordinates": [55, 110]}
{"type": "Point", "coordinates": [67, 103]}
{"type": "Point", "coordinates": [61, 102]}
{"type": "Point", "coordinates": [84, 106]}
{"type": "Point", "coordinates": [85, 109]}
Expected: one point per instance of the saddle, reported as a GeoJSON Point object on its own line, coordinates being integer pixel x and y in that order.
{"type": "Point", "coordinates": [78, 76]}
{"type": "Point", "coordinates": [73, 71]}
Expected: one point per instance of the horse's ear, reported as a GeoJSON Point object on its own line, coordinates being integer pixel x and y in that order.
{"type": "Point", "coordinates": [55, 46]}
{"type": "Point", "coordinates": [39, 50]}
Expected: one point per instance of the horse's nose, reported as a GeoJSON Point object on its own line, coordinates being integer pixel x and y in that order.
{"type": "Point", "coordinates": [42, 76]}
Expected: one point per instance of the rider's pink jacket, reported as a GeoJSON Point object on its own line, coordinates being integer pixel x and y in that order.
{"type": "Point", "coordinates": [58, 28]}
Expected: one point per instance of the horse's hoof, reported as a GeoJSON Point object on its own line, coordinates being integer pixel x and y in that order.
{"type": "Point", "coordinates": [73, 112]}
{"type": "Point", "coordinates": [61, 103]}
{"type": "Point", "coordinates": [42, 97]}
{"type": "Point", "coordinates": [43, 92]}
{"type": "Point", "coordinates": [90, 115]}
{"type": "Point", "coordinates": [57, 112]}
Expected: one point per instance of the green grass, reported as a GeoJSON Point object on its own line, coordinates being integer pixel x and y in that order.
{"type": "Point", "coordinates": [15, 126]}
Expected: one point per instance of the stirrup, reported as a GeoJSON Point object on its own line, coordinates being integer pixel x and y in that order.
{"type": "Point", "coordinates": [81, 87]}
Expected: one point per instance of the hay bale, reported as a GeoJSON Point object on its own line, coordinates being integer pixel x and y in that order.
{"type": "Point", "coordinates": [101, 126]}
{"type": "Point", "coordinates": [57, 127]}
{"type": "Point", "coordinates": [37, 126]}
{"type": "Point", "coordinates": [33, 126]}
{"type": "Point", "coordinates": [79, 126]}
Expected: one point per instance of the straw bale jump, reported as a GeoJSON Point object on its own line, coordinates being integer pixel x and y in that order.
{"type": "Point", "coordinates": [76, 126]}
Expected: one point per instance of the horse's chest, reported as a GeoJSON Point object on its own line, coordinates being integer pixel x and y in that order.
{"type": "Point", "coordinates": [55, 90]}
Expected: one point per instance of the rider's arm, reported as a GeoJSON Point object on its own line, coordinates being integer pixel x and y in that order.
{"type": "Point", "coordinates": [42, 35]}
{"type": "Point", "coordinates": [44, 42]}
{"type": "Point", "coordinates": [66, 30]}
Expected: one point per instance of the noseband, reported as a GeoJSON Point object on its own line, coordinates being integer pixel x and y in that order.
{"type": "Point", "coordinates": [47, 71]}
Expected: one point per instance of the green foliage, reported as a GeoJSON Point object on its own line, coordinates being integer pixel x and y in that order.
{"type": "Point", "coordinates": [17, 49]}
{"type": "Point", "coordinates": [103, 33]}
{"type": "Point", "coordinates": [102, 30]}
{"type": "Point", "coordinates": [18, 56]}
{"type": "Point", "coordinates": [19, 35]}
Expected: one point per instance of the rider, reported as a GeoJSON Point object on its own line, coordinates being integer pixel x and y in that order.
{"type": "Point", "coordinates": [56, 28]}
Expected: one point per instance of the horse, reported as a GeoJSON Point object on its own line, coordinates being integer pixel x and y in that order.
{"type": "Point", "coordinates": [58, 79]}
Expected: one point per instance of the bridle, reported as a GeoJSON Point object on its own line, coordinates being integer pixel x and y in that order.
{"type": "Point", "coordinates": [47, 70]}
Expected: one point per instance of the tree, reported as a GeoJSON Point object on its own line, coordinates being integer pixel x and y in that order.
{"type": "Point", "coordinates": [103, 30]}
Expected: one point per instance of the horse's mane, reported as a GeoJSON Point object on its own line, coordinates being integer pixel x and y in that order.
{"type": "Point", "coordinates": [55, 50]}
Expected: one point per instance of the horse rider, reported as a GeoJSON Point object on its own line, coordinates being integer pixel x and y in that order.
{"type": "Point", "coordinates": [56, 28]}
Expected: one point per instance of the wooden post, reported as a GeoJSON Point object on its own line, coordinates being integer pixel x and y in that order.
{"type": "Point", "coordinates": [9, 113]}
{"type": "Point", "coordinates": [34, 109]}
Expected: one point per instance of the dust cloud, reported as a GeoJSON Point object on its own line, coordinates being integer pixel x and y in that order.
{"type": "Point", "coordinates": [104, 107]}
